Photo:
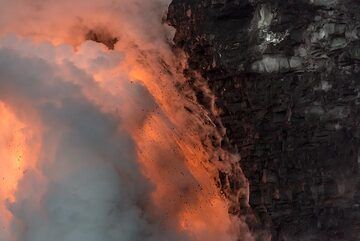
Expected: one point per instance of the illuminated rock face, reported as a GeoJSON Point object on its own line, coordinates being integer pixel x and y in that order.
{"type": "Point", "coordinates": [287, 77]}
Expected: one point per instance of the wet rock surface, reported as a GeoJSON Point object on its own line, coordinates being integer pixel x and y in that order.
{"type": "Point", "coordinates": [287, 77]}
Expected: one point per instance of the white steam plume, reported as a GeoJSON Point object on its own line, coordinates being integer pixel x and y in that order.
{"type": "Point", "coordinates": [108, 151]}
{"type": "Point", "coordinates": [87, 185]}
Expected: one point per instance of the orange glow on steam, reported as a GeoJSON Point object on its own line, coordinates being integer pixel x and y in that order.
{"type": "Point", "coordinates": [15, 155]}
{"type": "Point", "coordinates": [169, 144]}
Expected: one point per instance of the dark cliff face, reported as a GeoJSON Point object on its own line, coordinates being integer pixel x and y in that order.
{"type": "Point", "coordinates": [286, 74]}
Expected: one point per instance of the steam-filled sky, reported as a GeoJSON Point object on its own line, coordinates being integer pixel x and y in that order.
{"type": "Point", "coordinates": [95, 141]}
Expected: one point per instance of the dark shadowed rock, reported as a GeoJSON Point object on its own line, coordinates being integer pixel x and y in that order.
{"type": "Point", "coordinates": [287, 77]}
{"type": "Point", "coordinates": [102, 36]}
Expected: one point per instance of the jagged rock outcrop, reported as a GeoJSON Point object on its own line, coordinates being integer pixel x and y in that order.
{"type": "Point", "coordinates": [286, 74]}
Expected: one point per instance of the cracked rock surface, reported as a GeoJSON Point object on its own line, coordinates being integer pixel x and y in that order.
{"type": "Point", "coordinates": [286, 74]}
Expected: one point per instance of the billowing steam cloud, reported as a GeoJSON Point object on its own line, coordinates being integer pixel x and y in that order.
{"type": "Point", "coordinates": [98, 144]}
{"type": "Point", "coordinates": [88, 186]}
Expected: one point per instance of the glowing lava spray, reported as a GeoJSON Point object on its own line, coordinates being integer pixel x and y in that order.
{"type": "Point", "coordinates": [97, 142]}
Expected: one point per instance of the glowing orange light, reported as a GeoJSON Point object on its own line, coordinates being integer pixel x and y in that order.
{"type": "Point", "coordinates": [170, 149]}
{"type": "Point", "coordinates": [12, 154]}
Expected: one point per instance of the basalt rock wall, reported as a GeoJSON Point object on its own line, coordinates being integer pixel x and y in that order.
{"type": "Point", "coordinates": [286, 74]}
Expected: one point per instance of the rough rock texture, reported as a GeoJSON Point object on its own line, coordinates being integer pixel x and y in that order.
{"type": "Point", "coordinates": [286, 74]}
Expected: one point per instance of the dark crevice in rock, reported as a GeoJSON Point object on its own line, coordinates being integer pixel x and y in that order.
{"type": "Point", "coordinates": [102, 36]}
